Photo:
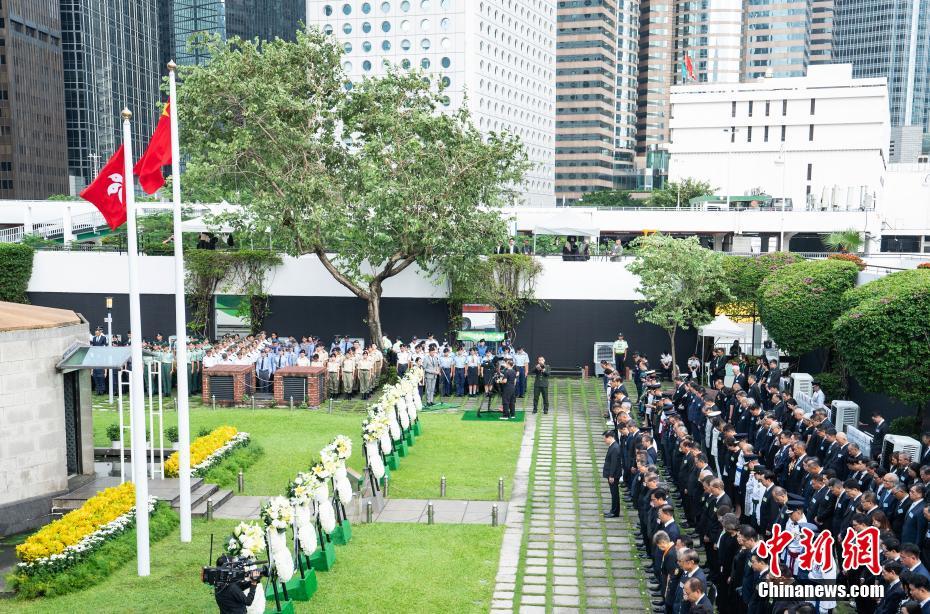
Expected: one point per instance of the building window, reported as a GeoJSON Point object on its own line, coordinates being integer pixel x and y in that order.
{"type": "Point", "coordinates": [813, 105]}
{"type": "Point", "coordinates": [366, 7]}
{"type": "Point", "coordinates": [327, 10]}
{"type": "Point", "coordinates": [366, 27]}
{"type": "Point", "coordinates": [405, 6]}
{"type": "Point", "coordinates": [749, 134]}
{"type": "Point", "coordinates": [385, 7]}
{"type": "Point", "coordinates": [366, 65]}
{"type": "Point", "coordinates": [732, 134]}
{"type": "Point", "coordinates": [808, 191]}
{"type": "Point", "coordinates": [765, 134]}
{"type": "Point", "coordinates": [347, 28]}
{"type": "Point", "coordinates": [784, 107]}
{"type": "Point", "coordinates": [385, 26]}
{"type": "Point", "coordinates": [425, 44]}
{"type": "Point", "coordinates": [750, 108]}
{"type": "Point", "coordinates": [446, 62]}
{"type": "Point", "coordinates": [810, 171]}
{"type": "Point", "coordinates": [424, 62]}
{"type": "Point", "coordinates": [733, 109]}
{"type": "Point", "coordinates": [386, 45]}
{"type": "Point", "coordinates": [782, 134]}
{"type": "Point", "coordinates": [767, 105]}
{"type": "Point", "coordinates": [346, 9]}
{"type": "Point", "coordinates": [366, 46]}
{"type": "Point", "coordinates": [810, 133]}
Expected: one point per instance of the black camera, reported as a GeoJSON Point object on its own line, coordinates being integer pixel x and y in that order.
{"type": "Point", "coordinates": [234, 570]}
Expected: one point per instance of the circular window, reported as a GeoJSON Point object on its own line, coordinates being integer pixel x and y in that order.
{"type": "Point", "coordinates": [366, 7]}
{"type": "Point", "coordinates": [366, 65]}
{"type": "Point", "coordinates": [405, 26]}
{"type": "Point", "coordinates": [347, 28]}
{"type": "Point", "coordinates": [424, 62]}
{"type": "Point", "coordinates": [425, 44]}
{"type": "Point", "coordinates": [347, 47]}
{"type": "Point", "coordinates": [385, 26]}
{"type": "Point", "coordinates": [444, 4]}
{"type": "Point", "coordinates": [446, 101]}
{"type": "Point", "coordinates": [444, 23]}
{"type": "Point", "coordinates": [446, 62]}
{"type": "Point", "coordinates": [405, 44]}
{"type": "Point", "coordinates": [366, 46]}
{"type": "Point", "coordinates": [405, 64]}
{"type": "Point", "coordinates": [327, 10]}
{"type": "Point", "coordinates": [327, 29]}
{"type": "Point", "coordinates": [346, 9]}
{"type": "Point", "coordinates": [446, 81]}
{"type": "Point", "coordinates": [348, 85]}
{"type": "Point", "coordinates": [405, 6]}
{"type": "Point", "coordinates": [424, 25]}
{"type": "Point", "coordinates": [445, 43]}
{"type": "Point", "coordinates": [424, 4]}
{"type": "Point", "coordinates": [386, 45]}
{"type": "Point", "coordinates": [366, 27]}
{"type": "Point", "coordinates": [347, 66]}
{"type": "Point", "coordinates": [385, 7]}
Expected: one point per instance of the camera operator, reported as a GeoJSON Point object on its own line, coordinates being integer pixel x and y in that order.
{"type": "Point", "coordinates": [541, 384]}
{"type": "Point", "coordinates": [508, 381]}
{"type": "Point", "coordinates": [232, 598]}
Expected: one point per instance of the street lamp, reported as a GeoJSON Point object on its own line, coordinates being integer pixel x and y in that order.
{"type": "Point", "coordinates": [109, 321]}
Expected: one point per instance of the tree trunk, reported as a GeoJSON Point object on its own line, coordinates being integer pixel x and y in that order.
{"type": "Point", "coordinates": [671, 338]}
{"type": "Point", "coordinates": [374, 313]}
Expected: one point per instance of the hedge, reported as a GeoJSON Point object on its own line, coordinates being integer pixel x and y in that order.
{"type": "Point", "coordinates": [745, 274]}
{"type": "Point", "coordinates": [884, 339]}
{"type": "Point", "coordinates": [15, 271]}
{"type": "Point", "coordinates": [798, 303]}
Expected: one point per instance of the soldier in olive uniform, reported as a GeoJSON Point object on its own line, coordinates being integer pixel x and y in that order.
{"type": "Point", "coordinates": [348, 373]}
{"type": "Point", "coordinates": [333, 371]}
{"type": "Point", "coordinates": [365, 367]}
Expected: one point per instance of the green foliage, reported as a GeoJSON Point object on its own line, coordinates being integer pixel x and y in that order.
{"type": "Point", "coordinates": [37, 241]}
{"type": "Point", "coordinates": [674, 192]}
{"type": "Point", "coordinates": [243, 272]}
{"type": "Point", "coordinates": [887, 286]}
{"type": "Point", "coordinates": [608, 198]}
{"type": "Point", "coordinates": [799, 302]}
{"type": "Point", "coordinates": [265, 126]}
{"type": "Point", "coordinates": [745, 273]}
{"type": "Point", "coordinates": [680, 282]}
{"type": "Point", "coordinates": [548, 244]}
{"type": "Point", "coordinates": [155, 232]}
{"type": "Point", "coordinates": [226, 472]}
{"type": "Point", "coordinates": [506, 281]}
{"type": "Point", "coordinates": [844, 240]}
{"type": "Point", "coordinates": [98, 566]}
{"type": "Point", "coordinates": [15, 272]}
{"type": "Point", "coordinates": [388, 376]}
{"type": "Point", "coordinates": [171, 433]}
{"type": "Point", "coordinates": [906, 425]}
{"type": "Point", "coordinates": [113, 432]}
{"type": "Point", "coordinates": [884, 338]}
{"type": "Point", "coordinates": [834, 384]}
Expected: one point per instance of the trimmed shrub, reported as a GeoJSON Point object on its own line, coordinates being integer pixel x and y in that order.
{"type": "Point", "coordinates": [859, 262]}
{"type": "Point", "coordinates": [905, 425]}
{"type": "Point", "coordinates": [745, 274]}
{"type": "Point", "coordinates": [15, 271]}
{"type": "Point", "coordinates": [799, 302]}
{"type": "Point", "coordinates": [884, 339]}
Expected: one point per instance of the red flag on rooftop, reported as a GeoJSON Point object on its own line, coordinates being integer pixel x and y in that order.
{"type": "Point", "coordinates": [158, 154]}
{"type": "Point", "coordinates": [107, 191]}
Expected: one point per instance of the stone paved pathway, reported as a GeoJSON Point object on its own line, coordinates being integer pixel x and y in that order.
{"type": "Point", "coordinates": [571, 558]}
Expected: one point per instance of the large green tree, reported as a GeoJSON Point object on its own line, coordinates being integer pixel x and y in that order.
{"type": "Point", "coordinates": [884, 337]}
{"type": "Point", "coordinates": [799, 302]}
{"type": "Point", "coordinates": [608, 198]}
{"type": "Point", "coordinates": [675, 192]}
{"type": "Point", "coordinates": [680, 282]}
{"type": "Point", "coordinates": [370, 178]}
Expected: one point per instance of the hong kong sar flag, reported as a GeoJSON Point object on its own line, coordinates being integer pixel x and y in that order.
{"type": "Point", "coordinates": [106, 191]}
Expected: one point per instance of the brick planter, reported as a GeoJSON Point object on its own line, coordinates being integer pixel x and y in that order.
{"type": "Point", "coordinates": [313, 385]}
{"type": "Point", "coordinates": [240, 378]}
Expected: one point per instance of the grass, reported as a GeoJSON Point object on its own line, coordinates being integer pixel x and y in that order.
{"type": "Point", "coordinates": [99, 565]}
{"type": "Point", "coordinates": [386, 568]}
{"type": "Point", "coordinates": [472, 455]}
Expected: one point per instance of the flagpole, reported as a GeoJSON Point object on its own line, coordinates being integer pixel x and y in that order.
{"type": "Point", "coordinates": [180, 317]}
{"type": "Point", "coordinates": [137, 409]}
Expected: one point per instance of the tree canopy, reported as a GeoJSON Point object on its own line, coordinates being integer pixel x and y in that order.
{"type": "Point", "coordinates": [608, 198]}
{"type": "Point", "coordinates": [680, 282]}
{"type": "Point", "coordinates": [370, 177]}
{"type": "Point", "coordinates": [674, 192]}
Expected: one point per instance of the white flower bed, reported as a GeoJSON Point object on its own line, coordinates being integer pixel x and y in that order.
{"type": "Point", "coordinates": [237, 440]}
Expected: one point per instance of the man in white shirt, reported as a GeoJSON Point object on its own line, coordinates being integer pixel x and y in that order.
{"type": "Point", "coordinates": [817, 396]}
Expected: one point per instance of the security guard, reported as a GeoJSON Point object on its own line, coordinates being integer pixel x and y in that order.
{"type": "Point", "coordinates": [620, 349]}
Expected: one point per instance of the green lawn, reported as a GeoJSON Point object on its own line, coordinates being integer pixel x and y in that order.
{"type": "Point", "coordinates": [472, 455]}
{"type": "Point", "coordinates": [386, 568]}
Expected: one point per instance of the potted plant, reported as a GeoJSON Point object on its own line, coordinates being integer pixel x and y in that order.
{"type": "Point", "coordinates": [113, 434]}
{"type": "Point", "coordinates": [172, 433]}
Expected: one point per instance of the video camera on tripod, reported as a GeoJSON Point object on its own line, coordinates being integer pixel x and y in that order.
{"type": "Point", "coordinates": [234, 570]}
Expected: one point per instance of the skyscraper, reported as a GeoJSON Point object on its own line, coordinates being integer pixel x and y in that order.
{"type": "Point", "coordinates": [192, 17]}
{"type": "Point", "coordinates": [776, 38]}
{"type": "Point", "coordinates": [709, 33]}
{"type": "Point", "coordinates": [627, 69]}
{"type": "Point", "coordinates": [501, 52]}
{"type": "Point", "coordinates": [111, 60]}
{"type": "Point", "coordinates": [889, 39]}
{"type": "Point", "coordinates": [586, 88]}
{"type": "Point", "coordinates": [33, 148]}
{"type": "Point", "coordinates": [655, 75]}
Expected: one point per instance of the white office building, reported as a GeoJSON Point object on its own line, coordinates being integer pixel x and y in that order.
{"type": "Point", "coordinates": [497, 56]}
{"type": "Point", "coordinates": [819, 140]}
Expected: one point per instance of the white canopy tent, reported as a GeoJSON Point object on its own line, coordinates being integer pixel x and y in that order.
{"type": "Point", "coordinates": [719, 327]}
{"type": "Point", "coordinates": [578, 225]}
{"type": "Point", "coordinates": [202, 223]}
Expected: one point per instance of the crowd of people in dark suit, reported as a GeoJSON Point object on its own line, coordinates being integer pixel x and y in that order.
{"type": "Point", "coordinates": [711, 472]}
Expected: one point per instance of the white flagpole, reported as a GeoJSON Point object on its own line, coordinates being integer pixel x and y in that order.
{"type": "Point", "coordinates": [137, 399]}
{"type": "Point", "coordinates": [180, 318]}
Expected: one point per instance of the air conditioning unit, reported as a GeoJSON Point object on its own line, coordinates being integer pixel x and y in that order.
{"type": "Point", "coordinates": [900, 443]}
{"type": "Point", "coordinates": [603, 350]}
{"type": "Point", "coordinates": [801, 383]}
{"type": "Point", "coordinates": [844, 414]}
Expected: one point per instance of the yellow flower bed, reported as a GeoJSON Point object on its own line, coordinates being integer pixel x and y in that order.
{"type": "Point", "coordinates": [201, 448]}
{"type": "Point", "coordinates": [102, 508]}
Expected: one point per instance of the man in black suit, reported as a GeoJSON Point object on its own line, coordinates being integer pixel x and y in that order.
{"type": "Point", "coordinates": [878, 429]}
{"type": "Point", "coordinates": [894, 591]}
{"type": "Point", "coordinates": [508, 390]}
{"type": "Point", "coordinates": [925, 455]}
{"type": "Point", "coordinates": [718, 365]}
{"type": "Point", "coordinates": [689, 563]}
{"type": "Point", "coordinates": [666, 567]}
{"type": "Point", "coordinates": [694, 594]}
{"type": "Point", "coordinates": [612, 471]}
{"type": "Point", "coordinates": [774, 376]}
{"type": "Point", "coordinates": [97, 375]}
{"type": "Point", "coordinates": [821, 501]}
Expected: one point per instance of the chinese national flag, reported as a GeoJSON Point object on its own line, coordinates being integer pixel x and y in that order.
{"type": "Point", "coordinates": [148, 168]}
{"type": "Point", "coordinates": [106, 191]}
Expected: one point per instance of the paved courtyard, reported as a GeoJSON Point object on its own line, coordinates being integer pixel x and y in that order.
{"type": "Point", "coordinates": [560, 554]}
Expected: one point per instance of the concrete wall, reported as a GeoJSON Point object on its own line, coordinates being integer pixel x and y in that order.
{"type": "Point", "coordinates": [32, 418]}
